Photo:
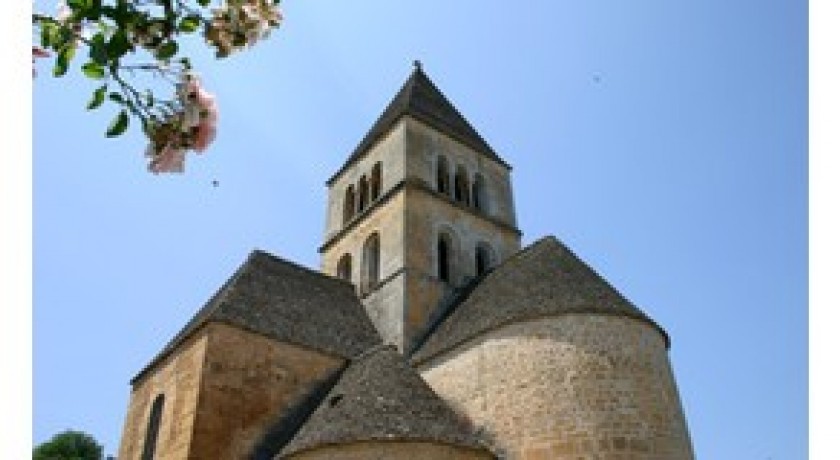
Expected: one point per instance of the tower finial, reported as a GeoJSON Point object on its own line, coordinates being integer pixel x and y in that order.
{"type": "Point", "coordinates": [418, 65]}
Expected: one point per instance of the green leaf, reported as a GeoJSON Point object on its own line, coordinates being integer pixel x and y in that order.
{"type": "Point", "coordinates": [189, 24]}
{"type": "Point", "coordinates": [204, 3]}
{"type": "Point", "coordinates": [167, 50]}
{"type": "Point", "coordinates": [118, 45]}
{"type": "Point", "coordinates": [49, 32]}
{"type": "Point", "coordinates": [98, 49]}
{"type": "Point", "coordinates": [94, 10]}
{"type": "Point", "coordinates": [116, 97]}
{"type": "Point", "coordinates": [93, 70]}
{"type": "Point", "coordinates": [77, 5]}
{"type": "Point", "coordinates": [62, 61]}
{"type": "Point", "coordinates": [185, 61]}
{"type": "Point", "coordinates": [118, 124]}
{"type": "Point", "coordinates": [98, 97]}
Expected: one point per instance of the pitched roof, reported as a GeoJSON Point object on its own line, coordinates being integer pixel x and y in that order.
{"type": "Point", "coordinates": [284, 301]}
{"type": "Point", "coordinates": [381, 398]}
{"type": "Point", "coordinates": [544, 279]}
{"type": "Point", "coordinates": [421, 99]}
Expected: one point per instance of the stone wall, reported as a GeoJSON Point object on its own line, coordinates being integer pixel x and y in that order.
{"type": "Point", "coordinates": [569, 387]}
{"type": "Point", "coordinates": [223, 388]}
{"type": "Point", "coordinates": [427, 217]}
{"type": "Point", "coordinates": [392, 451]}
{"type": "Point", "coordinates": [408, 218]}
{"type": "Point", "coordinates": [385, 304]}
{"type": "Point", "coordinates": [178, 378]}
{"type": "Point", "coordinates": [388, 220]}
{"type": "Point", "coordinates": [249, 382]}
{"type": "Point", "coordinates": [424, 145]}
{"type": "Point", "coordinates": [390, 151]}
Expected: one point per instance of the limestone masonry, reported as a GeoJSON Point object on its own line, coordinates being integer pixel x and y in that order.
{"type": "Point", "coordinates": [429, 333]}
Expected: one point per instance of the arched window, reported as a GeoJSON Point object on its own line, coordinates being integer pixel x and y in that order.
{"type": "Point", "coordinates": [462, 186]}
{"type": "Point", "coordinates": [444, 250]}
{"type": "Point", "coordinates": [483, 259]}
{"type": "Point", "coordinates": [153, 429]}
{"type": "Point", "coordinates": [479, 193]}
{"type": "Point", "coordinates": [349, 204]}
{"type": "Point", "coordinates": [370, 263]}
{"type": "Point", "coordinates": [345, 267]}
{"type": "Point", "coordinates": [376, 182]}
{"type": "Point", "coordinates": [363, 193]}
{"type": "Point", "coordinates": [442, 175]}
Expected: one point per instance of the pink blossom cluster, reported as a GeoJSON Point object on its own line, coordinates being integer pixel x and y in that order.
{"type": "Point", "coordinates": [191, 128]}
{"type": "Point", "coordinates": [38, 52]}
{"type": "Point", "coordinates": [240, 23]}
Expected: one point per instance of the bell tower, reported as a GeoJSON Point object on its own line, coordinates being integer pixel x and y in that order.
{"type": "Point", "coordinates": [422, 207]}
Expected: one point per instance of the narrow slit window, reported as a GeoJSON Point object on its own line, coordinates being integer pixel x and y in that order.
{"type": "Point", "coordinates": [153, 429]}
{"type": "Point", "coordinates": [376, 182]}
{"type": "Point", "coordinates": [443, 175]}
{"type": "Point", "coordinates": [370, 263]}
{"type": "Point", "coordinates": [443, 251]}
{"type": "Point", "coordinates": [349, 204]}
{"type": "Point", "coordinates": [363, 193]}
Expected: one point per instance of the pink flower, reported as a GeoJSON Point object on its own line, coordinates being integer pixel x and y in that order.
{"type": "Point", "coordinates": [170, 159]}
{"type": "Point", "coordinates": [38, 52]}
{"type": "Point", "coordinates": [204, 134]}
{"type": "Point", "coordinates": [193, 127]}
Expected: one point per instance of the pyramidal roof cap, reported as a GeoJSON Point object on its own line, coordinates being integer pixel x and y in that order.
{"type": "Point", "coordinates": [421, 99]}
{"type": "Point", "coordinates": [286, 302]}
{"type": "Point", "coordinates": [379, 397]}
{"type": "Point", "coordinates": [544, 279]}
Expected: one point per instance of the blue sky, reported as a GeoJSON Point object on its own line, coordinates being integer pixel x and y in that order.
{"type": "Point", "coordinates": [664, 142]}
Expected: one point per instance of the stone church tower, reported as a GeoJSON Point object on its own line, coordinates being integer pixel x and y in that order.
{"type": "Point", "coordinates": [429, 332]}
{"type": "Point", "coordinates": [422, 207]}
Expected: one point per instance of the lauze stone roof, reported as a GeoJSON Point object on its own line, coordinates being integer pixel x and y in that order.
{"type": "Point", "coordinates": [289, 303]}
{"type": "Point", "coordinates": [380, 397]}
{"type": "Point", "coordinates": [544, 279]}
{"type": "Point", "coordinates": [421, 99]}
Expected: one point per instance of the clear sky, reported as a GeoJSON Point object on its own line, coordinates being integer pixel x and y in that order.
{"type": "Point", "coordinates": [664, 142]}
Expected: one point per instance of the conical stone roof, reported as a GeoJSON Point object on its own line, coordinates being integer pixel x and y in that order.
{"type": "Point", "coordinates": [544, 279]}
{"type": "Point", "coordinates": [289, 303]}
{"type": "Point", "coordinates": [381, 398]}
{"type": "Point", "coordinates": [421, 99]}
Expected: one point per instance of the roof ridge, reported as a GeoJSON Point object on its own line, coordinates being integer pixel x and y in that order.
{"type": "Point", "coordinates": [197, 320]}
{"type": "Point", "coordinates": [431, 107]}
{"type": "Point", "coordinates": [284, 301]}
{"type": "Point", "coordinates": [381, 398]}
{"type": "Point", "coordinates": [554, 279]}
{"type": "Point", "coordinates": [265, 255]}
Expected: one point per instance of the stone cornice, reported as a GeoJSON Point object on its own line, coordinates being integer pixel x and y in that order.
{"type": "Point", "coordinates": [413, 184]}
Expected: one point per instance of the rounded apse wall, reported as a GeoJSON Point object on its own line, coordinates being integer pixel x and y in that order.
{"type": "Point", "coordinates": [569, 386]}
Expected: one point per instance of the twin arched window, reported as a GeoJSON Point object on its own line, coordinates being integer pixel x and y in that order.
{"type": "Point", "coordinates": [446, 259]}
{"type": "Point", "coordinates": [470, 193]}
{"type": "Point", "coordinates": [367, 192]}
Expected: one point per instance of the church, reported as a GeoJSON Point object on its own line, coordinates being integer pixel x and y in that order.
{"type": "Point", "coordinates": [428, 333]}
